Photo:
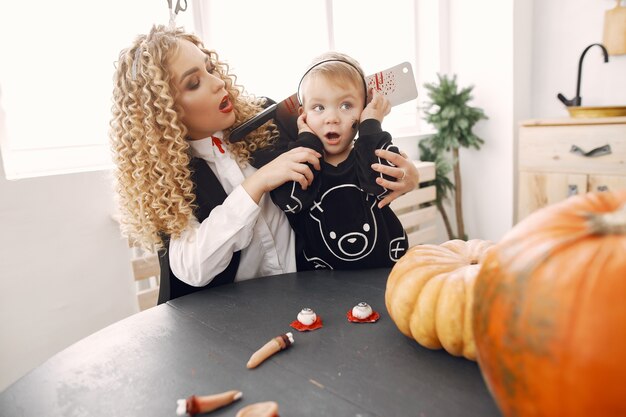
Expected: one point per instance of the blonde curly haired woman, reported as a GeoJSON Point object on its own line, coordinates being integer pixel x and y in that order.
{"type": "Point", "coordinates": [183, 188]}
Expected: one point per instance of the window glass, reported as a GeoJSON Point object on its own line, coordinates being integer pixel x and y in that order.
{"type": "Point", "coordinates": [58, 62]}
{"type": "Point", "coordinates": [271, 43]}
{"type": "Point", "coordinates": [270, 58]}
{"type": "Point", "coordinates": [379, 35]}
{"type": "Point", "coordinates": [56, 71]}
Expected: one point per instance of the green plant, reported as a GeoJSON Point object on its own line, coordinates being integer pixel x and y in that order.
{"type": "Point", "coordinates": [442, 182]}
{"type": "Point", "coordinates": [453, 118]}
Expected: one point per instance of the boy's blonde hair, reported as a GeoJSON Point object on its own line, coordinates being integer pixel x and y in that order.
{"type": "Point", "coordinates": [148, 139]}
{"type": "Point", "coordinates": [337, 67]}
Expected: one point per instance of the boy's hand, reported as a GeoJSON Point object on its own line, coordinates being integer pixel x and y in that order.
{"type": "Point", "coordinates": [377, 109]}
{"type": "Point", "coordinates": [302, 126]}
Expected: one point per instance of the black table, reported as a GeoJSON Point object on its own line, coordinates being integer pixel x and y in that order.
{"type": "Point", "coordinates": [200, 344]}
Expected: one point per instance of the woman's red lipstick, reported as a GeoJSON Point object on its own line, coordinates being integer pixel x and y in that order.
{"type": "Point", "coordinates": [226, 106]}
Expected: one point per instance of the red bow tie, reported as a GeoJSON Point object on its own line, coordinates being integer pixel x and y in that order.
{"type": "Point", "coordinates": [217, 142]}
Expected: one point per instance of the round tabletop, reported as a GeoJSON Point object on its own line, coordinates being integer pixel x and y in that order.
{"type": "Point", "coordinates": [199, 345]}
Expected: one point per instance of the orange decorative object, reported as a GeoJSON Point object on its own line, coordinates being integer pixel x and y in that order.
{"type": "Point", "coordinates": [362, 313]}
{"type": "Point", "coordinates": [264, 409]}
{"type": "Point", "coordinates": [206, 403]}
{"type": "Point", "coordinates": [370, 319]}
{"type": "Point", "coordinates": [550, 311]}
{"type": "Point", "coordinates": [429, 294]}
{"type": "Point", "coordinates": [307, 320]}
{"type": "Point", "coordinates": [272, 347]}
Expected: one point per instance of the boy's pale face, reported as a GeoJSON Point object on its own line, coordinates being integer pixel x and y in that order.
{"type": "Point", "coordinates": [333, 109]}
{"type": "Point", "coordinates": [202, 94]}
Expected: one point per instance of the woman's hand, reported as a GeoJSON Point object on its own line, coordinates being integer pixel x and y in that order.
{"type": "Point", "coordinates": [405, 172]}
{"type": "Point", "coordinates": [290, 166]}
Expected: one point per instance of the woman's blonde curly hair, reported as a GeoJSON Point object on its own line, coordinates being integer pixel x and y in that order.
{"type": "Point", "coordinates": [148, 139]}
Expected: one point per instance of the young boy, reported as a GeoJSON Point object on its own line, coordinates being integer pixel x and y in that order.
{"type": "Point", "coordinates": [336, 219]}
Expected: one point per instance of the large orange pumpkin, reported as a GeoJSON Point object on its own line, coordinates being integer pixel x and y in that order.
{"type": "Point", "coordinates": [430, 291]}
{"type": "Point", "coordinates": [550, 311]}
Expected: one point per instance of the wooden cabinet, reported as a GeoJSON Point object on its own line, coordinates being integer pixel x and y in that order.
{"type": "Point", "coordinates": [563, 157]}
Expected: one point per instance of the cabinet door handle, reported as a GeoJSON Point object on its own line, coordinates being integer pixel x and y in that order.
{"type": "Point", "coordinates": [572, 189]}
{"type": "Point", "coordinates": [602, 188]}
{"type": "Point", "coordinates": [599, 151]}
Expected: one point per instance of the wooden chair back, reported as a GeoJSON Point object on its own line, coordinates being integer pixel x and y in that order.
{"type": "Point", "coordinates": [417, 210]}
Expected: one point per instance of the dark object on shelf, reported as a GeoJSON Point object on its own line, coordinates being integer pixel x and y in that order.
{"type": "Point", "coordinates": [576, 101]}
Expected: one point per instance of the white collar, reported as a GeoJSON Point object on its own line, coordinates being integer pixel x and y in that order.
{"type": "Point", "coordinates": [207, 149]}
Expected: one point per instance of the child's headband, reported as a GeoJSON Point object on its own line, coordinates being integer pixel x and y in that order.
{"type": "Point", "coordinates": [317, 64]}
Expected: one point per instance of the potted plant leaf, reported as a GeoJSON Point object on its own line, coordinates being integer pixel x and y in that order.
{"type": "Point", "coordinates": [450, 114]}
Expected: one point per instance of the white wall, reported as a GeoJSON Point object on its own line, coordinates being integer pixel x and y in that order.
{"type": "Point", "coordinates": [64, 269]}
{"type": "Point", "coordinates": [482, 54]}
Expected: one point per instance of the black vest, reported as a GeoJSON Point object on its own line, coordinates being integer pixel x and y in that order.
{"type": "Point", "coordinates": [209, 194]}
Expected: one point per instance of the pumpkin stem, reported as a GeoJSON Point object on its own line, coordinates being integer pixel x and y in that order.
{"type": "Point", "coordinates": [613, 222]}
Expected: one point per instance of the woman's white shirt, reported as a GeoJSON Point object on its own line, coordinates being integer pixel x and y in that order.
{"type": "Point", "coordinates": [261, 232]}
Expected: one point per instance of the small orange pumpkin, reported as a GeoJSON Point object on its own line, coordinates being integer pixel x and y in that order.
{"type": "Point", "coordinates": [550, 311]}
{"type": "Point", "coordinates": [430, 291]}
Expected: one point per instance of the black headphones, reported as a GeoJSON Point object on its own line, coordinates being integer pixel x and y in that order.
{"type": "Point", "coordinates": [332, 60]}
